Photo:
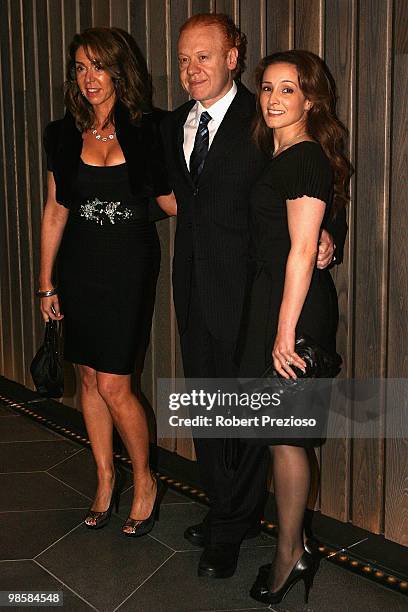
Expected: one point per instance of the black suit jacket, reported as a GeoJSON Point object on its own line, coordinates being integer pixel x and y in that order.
{"type": "Point", "coordinates": [141, 146]}
{"type": "Point", "coordinates": [212, 218]}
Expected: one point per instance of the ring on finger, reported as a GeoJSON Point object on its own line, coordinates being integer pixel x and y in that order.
{"type": "Point", "coordinates": [289, 362]}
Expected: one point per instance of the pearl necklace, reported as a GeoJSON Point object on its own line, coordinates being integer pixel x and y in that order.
{"type": "Point", "coordinates": [287, 144]}
{"type": "Point", "coordinates": [103, 138]}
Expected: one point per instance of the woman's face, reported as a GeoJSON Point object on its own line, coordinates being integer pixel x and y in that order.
{"type": "Point", "coordinates": [282, 101]}
{"type": "Point", "coordinates": [94, 82]}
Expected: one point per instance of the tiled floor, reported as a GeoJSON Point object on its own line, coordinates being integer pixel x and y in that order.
{"type": "Point", "coordinates": [47, 483]}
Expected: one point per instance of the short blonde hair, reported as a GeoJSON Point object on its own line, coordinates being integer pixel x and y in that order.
{"type": "Point", "coordinates": [233, 37]}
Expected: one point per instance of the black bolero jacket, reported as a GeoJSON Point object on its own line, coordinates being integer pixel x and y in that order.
{"type": "Point", "coordinates": [141, 146]}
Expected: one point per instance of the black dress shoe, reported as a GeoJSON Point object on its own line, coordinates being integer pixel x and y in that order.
{"type": "Point", "coordinates": [196, 534]}
{"type": "Point", "coordinates": [218, 560]}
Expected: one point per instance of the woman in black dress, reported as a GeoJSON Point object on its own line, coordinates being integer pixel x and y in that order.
{"type": "Point", "coordinates": [302, 186]}
{"type": "Point", "coordinates": [104, 163]}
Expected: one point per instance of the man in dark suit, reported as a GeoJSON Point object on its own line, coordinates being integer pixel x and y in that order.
{"type": "Point", "coordinates": [213, 162]}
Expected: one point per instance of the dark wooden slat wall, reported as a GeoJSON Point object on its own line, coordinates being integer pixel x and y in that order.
{"type": "Point", "coordinates": [340, 20]}
{"type": "Point", "coordinates": [371, 248]}
{"type": "Point", "coordinates": [280, 16]}
{"type": "Point", "coordinates": [396, 451]}
{"type": "Point", "coordinates": [365, 45]}
{"type": "Point", "coordinates": [6, 340]}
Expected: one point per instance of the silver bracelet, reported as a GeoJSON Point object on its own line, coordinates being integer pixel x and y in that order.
{"type": "Point", "coordinates": [46, 294]}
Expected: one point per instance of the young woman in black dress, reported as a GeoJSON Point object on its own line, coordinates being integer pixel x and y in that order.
{"type": "Point", "coordinates": [104, 163]}
{"type": "Point", "coordinates": [304, 183]}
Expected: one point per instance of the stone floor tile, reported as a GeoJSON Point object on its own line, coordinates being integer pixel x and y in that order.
{"type": "Point", "coordinates": [104, 566]}
{"type": "Point", "coordinates": [37, 491]}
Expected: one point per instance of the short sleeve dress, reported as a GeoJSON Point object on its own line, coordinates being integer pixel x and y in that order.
{"type": "Point", "coordinates": [108, 265]}
{"type": "Point", "coordinates": [301, 170]}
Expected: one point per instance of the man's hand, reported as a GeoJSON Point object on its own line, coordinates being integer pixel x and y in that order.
{"type": "Point", "coordinates": [168, 204]}
{"type": "Point", "coordinates": [326, 250]}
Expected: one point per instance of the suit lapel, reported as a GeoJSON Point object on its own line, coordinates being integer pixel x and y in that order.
{"type": "Point", "coordinates": [228, 133]}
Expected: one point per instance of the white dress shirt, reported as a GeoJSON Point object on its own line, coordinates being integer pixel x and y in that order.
{"type": "Point", "coordinates": [217, 112]}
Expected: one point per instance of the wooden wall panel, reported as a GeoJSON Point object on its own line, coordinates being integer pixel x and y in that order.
{"type": "Point", "coordinates": [119, 14]}
{"type": "Point", "coordinates": [11, 203]}
{"type": "Point", "coordinates": [340, 20]}
{"type": "Point", "coordinates": [70, 24]}
{"type": "Point", "coordinates": [229, 7]}
{"type": "Point", "coordinates": [44, 62]}
{"type": "Point", "coordinates": [280, 16]}
{"type": "Point", "coordinates": [252, 22]}
{"type": "Point", "coordinates": [33, 167]}
{"type": "Point", "coordinates": [85, 14]}
{"type": "Point", "coordinates": [371, 248]}
{"type": "Point", "coordinates": [201, 6]}
{"type": "Point", "coordinates": [100, 12]}
{"type": "Point", "coordinates": [178, 14]}
{"type": "Point", "coordinates": [56, 57]}
{"type": "Point", "coordinates": [364, 43]}
{"type": "Point", "coordinates": [28, 165]}
{"type": "Point", "coordinates": [139, 28]}
{"type": "Point", "coordinates": [6, 329]}
{"type": "Point", "coordinates": [162, 339]}
{"type": "Point", "coordinates": [309, 25]}
{"type": "Point", "coordinates": [396, 491]}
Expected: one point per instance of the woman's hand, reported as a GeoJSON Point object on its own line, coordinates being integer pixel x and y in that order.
{"type": "Point", "coordinates": [284, 355]}
{"type": "Point", "coordinates": [50, 308]}
{"type": "Point", "coordinates": [53, 223]}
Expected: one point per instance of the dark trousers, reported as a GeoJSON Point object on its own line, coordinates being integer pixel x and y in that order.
{"type": "Point", "coordinates": [233, 473]}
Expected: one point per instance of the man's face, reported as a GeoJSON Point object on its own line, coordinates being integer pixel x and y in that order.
{"type": "Point", "coordinates": [204, 64]}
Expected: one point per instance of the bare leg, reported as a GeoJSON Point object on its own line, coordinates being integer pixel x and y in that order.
{"type": "Point", "coordinates": [99, 426]}
{"type": "Point", "coordinates": [130, 420]}
{"type": "Point", "coordinates": [291, 474]}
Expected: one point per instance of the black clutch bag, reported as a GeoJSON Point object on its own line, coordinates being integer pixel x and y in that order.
{"type": "Point", "coordinates": [319, 364]}
{"type": "Point", "coordinates": [46, 367]}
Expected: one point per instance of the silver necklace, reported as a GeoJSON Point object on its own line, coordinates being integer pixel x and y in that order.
{"type": "Point", "coordinates": [287, 144]}
{"type": "Point", "coordinates": [103, 138]}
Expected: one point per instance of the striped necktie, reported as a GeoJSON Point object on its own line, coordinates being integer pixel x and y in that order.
{"type": "Point", "coordinates": [200, 148]}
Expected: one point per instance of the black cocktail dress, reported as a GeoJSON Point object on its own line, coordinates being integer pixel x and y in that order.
{"type": "Point", "coordinates": [107, 271]}
{"type": "Point", "coordinates": [303, 169]}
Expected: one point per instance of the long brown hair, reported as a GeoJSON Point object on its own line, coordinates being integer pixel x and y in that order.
{"type": "Point", "coordinates": [115, 51]}
{"type": "Point", "coordinates": [322, 123]}
{"type": "Point", "coordinates": [233, 37]}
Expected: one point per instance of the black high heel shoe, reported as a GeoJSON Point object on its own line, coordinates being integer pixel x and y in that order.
{"type": "Point", "coordinates": [304, 569]}
{"type": "Point", "coordinates": [310, 547]}
{"type": "Point", "coordinates": [102, 518]}
{"type": "Point", "coordinates": [141, 527]}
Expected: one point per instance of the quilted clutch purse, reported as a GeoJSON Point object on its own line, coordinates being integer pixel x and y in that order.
{"type": "Point", "coordinates": [319, 364]}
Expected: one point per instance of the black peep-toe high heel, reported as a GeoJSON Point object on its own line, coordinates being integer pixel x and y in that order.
{"type": "Point", "coordinates": [102, 518]}
{"type": "Point", "coordinates": [141, 527]}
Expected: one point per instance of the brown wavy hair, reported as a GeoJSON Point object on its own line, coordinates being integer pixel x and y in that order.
{"type": "Point", "coordinates": [115, 51]}
{"type": "Point", "coordinates": [233, 37]}
{"type": "Point", "coordinates": [322, 123]}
